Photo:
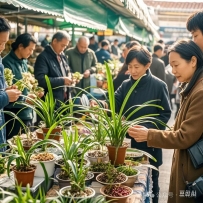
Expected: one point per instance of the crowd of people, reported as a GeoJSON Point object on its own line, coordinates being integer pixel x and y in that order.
{"type": "Point", "coordinates": [160, 74]}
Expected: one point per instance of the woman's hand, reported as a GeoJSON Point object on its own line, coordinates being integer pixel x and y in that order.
{"type": "Point", "coordinates": [32, 96]}
{"type": "Point", "coordinates": [139, 133]}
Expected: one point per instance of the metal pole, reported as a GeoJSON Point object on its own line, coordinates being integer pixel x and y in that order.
{"type": "Point", "coordinates": [73, 35]}
{"type": "Point", "coordinates": [18, 28]}
{"type": "Point", "coordinates": [25, 24]}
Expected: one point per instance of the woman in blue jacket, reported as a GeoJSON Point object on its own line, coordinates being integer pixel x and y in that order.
{"type": "Point", "coordinates": [148, 88]}
{"type": "Point", "coordinates": [6, 95]}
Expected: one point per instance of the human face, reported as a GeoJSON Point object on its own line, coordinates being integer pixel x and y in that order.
{"type": "Point", "coordinates": [59, 46]}
{"type": "Point", "coordinates": [182, 69]}
{"type": "Point", "coordinates": [197, 37]}
{"type": "Point", "coordinates": [125, 52]}
{"type": "Point", "coordinates": [137, 69]}
{"type": "Point", "coordinates": [27, 51]}
{"type": "Point", "coordinates": [4, 36]}
{"type": "Point", "coordinates": [82, 46]}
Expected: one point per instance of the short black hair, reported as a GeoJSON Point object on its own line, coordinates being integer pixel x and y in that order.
{"type": "Point", "coordinates": [195, 22]}
{"type": "Point", "coordinates": [160, 41]}
{"type": "Point", "coordinates": [104, 43]}
{"type": "Point", "coordinates": [4, 25]}
{"type": "Point", "coordinates": [131, 44]}
{"type": "Point", "coordinates": [187, 49]}
{"type": "Point", "coordinates": [23, 39]}
{"type": "Point", "coordinates": [115, 40]}
{"type": "Point", "coordinates": [158, 47]}
{"type": "Point", "coordinates": [60, 35]}
{"type": "Point", "coordinates": [140, 53]}
{"type": "Point", "coordinates": [91, 38]}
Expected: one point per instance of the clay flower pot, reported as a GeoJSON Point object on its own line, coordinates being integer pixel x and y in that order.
{"type": "Point", "coordinates": [24, 177]}
{"type": "Point", "coordinates": [119, 158]}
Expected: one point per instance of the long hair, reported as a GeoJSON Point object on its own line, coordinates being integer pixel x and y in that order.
{"type": "Point", "coordinates": [187, 49]}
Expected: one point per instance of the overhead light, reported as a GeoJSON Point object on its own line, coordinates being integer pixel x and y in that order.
{"type": "Point", "coordinates": [60, 19]}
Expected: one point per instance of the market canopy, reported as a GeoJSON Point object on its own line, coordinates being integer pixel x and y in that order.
{"type": "Point", "coordinates": [82, 13]}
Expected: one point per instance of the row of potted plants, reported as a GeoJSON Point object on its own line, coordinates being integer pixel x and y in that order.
{"type": "Point", "coordinates": [101, 123]}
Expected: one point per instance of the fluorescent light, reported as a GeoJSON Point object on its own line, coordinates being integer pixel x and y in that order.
{"type": "Point", "coordinates": [60, 19]}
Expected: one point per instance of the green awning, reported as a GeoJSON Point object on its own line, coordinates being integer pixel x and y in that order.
{"type": "Point", "coordinates": [79, 12]}
{"type": "Point", "coordinates": [85, 13]}
{"type": "Point", "coordinates": [125, 27]}
{"type": "Point", "coordinates": [51, 7]}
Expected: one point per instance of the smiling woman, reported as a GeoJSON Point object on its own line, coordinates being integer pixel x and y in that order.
{"type": "Point", "coordinates": [149, 88]}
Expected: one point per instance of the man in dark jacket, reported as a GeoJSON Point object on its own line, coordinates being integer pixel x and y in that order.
{"type": "Point", "coordinates": [158, 67]}
{"type": "Point", "coordinates": [53, 63]}
{"type": "Point", "coordinates": [103, 55]}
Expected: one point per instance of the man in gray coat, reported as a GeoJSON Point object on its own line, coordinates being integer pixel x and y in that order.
{"type": "Point", "coordinates": [158, 67]}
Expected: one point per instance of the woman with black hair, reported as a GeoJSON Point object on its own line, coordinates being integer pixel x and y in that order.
{"type": "Point", "coordinates": [123, 73]}
{"type": "Point", "coordinates": [149, 88]}
{"type": "Point", "coordinates": [16, 61]}
{"type": "Point", "coordinates": [186, 59]}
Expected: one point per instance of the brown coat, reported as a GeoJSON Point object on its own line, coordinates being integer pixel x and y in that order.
{"type": "Point", "coordinates": [187, 130]}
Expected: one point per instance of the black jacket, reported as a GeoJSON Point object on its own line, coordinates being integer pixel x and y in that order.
{"type": "Point", "coordinates": [157, 68]}
{"type": "Point", "coordinates": [149, 88]}
{"type": "Point", "coordinates": [47, 64]}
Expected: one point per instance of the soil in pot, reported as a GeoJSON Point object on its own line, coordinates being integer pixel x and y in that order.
{"type": "Point", "coordinates": [96, 156]}
{"type": "Point", "coordinates": [114, 177]}
{"type": "Point", "coordinates": [119, 158]}
{"type": "Point", "coordinates": [118, 193]}
{"type": "Point", "coordinates": [24, 175]}
{"type": "Point", "coordinates": [48, 159]}
{"type": "Point", "coordinates": [86, 194]}
{"type": "Point", "coordinates": [27, 143]}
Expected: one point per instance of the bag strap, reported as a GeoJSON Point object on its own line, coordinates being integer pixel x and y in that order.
{"type": "Point", "coordinates": [185, 181]}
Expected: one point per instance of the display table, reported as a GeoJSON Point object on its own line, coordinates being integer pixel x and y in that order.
{"type": "Point", "coordinates": [142, 188]}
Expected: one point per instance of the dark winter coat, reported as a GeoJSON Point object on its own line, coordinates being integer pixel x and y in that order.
{"type": "Point", "coordinates": [149, 88]}
{"type": "Point", "coordinates": [48, 64]}
{"type": "Point", "coordinates": [102, 56]}
{"type": "Point", "coordinates": [157, 68]}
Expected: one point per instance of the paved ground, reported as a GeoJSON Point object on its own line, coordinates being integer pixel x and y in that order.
{"type": "Point", "coordinates": [165, 169]}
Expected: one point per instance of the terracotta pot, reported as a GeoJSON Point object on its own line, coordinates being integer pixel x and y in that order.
{"type": "Point", "coordinates": [120, 158]}
{"type": "Point", "coordinates": [55, 130]}
{"type": "Point", "coordinates": [40, 134]}
{"type": "Point", "coordinates": [116, 199]}
{"type": "Point", "coordinates": [24, 177]}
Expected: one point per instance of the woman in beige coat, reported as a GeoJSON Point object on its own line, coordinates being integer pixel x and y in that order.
{"type": "Point", "coordinates": [186, 60]}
